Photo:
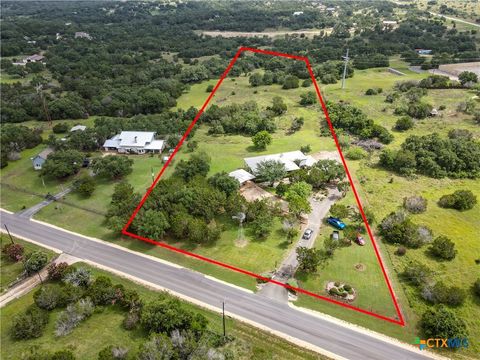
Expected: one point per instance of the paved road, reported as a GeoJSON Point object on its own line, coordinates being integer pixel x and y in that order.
{"type": "Point", "coordinates": [287, 268]}
{"type": "Point", "coordinates": [343, 341]}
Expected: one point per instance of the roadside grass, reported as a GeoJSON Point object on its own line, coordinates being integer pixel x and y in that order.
{"type": "Point", "coordinates": [92, 335]}
{"type": "Point", "coordinates": [9, 270]}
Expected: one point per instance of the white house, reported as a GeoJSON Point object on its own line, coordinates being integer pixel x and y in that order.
{"type": "Point", "coordinates": [82, 35]}
{"type": "Point", "coordinates": [137, 142]}
{"type": "Point", "coordinates": [30, 59]}
{"type": "Point", "coordinates": [292, 160]}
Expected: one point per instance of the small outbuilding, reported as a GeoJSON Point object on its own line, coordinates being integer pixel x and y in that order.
{"type": "Point", "coordinates": [78, 128]}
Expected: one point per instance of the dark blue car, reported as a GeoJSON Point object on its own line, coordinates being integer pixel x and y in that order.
{"type": "Point", "coordinates": [336, 223]}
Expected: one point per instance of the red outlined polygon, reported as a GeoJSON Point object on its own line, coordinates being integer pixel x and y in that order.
{"type": "Point", "coordinates": [399, 321]}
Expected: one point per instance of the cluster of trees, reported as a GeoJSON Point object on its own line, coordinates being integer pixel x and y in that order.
{"type": "Point", "coordinates": [331, 71]}
{"type": "Point", "coordinates": [33, 261]}
{"type": "Point", "coordinates": [355, 122]}
{"type": "Point", "coordinates": [246, 118]}
{"type": "Point", "coordinates": [322, 173]}
{"type": "Point", "coordinates": [459, 200]}
{"type": "Point", "coordinates": [434, 156]}
{"type": "Point", "coordinates": [14, 139]}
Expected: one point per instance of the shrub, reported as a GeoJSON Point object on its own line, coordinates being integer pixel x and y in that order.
{"type": "Point", "coordinates": [30, 324]}
{"type": "Point", "coordinates": [459, 200]}
{"type": "Point", "coordinates": [35, 261]}
{"type": "Point", "coordinates": [404, 123]}
{"type": "Point", "coordinates": [13, 251]}
{"type": "Point", "coordinates": [356, 153]}
{"type": "Point", "coordinates": [48, 297]}
{"type": "Point", "coordinates": [62, 355]}
{"type": "Point", "coordinates": [60, 128]}
{"type": "Point", "coordinates": [401, 250]}
{"type": "Point", "coordinates": [78, 277]}
{"type": "Point", "coordinates": [306, 83]}
{"type": "Point", "coordinates": [306, 149]}
{"type": "Point", "coordinates": [417, 274]}
{"type": "Point", "coordinates": [415, 204]}
{"type": "Point", "coordinates": [337, 283]}
{"type": "Point", "coordinates": [112, 353]}
{"type": "Point", "coordinates": [101, 291]}
{"type": "Point", "coordinates": [56, 271]}
{"type": "Point", "coordinates": [439, 322]}
{"type": "Point", "coordinates": [373, 91]}
{"type": "Point", "coordinates": [347, 287]}
{"type": "Point", "coordinates": [192, 145]}
{"type": "Point", "coordinates": [209, 88]}
{"type": "Point", "coordinates": [476, 287]}
{"type": "Point", "coordinates": [72, 316]}
{"type": "Point", "coordinates": [131, 320]}
{"type": "Point", "coordinates": [86, 185]}
{"type": "Point", "coordinates": [444, 248]}
{"type": "Point", "coordinates": [334, 291]}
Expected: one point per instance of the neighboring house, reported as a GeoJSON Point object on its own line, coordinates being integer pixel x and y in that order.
{"type": "Point", "coordinates": [78, 128]}
{"type": "Point", "coordinates": [296, 13]}
{"type": "Point", "coordinates": [30, 59]}
{"type": "Point", "coordinates": [389, 22]}
{"type": "Point", "coordinates": [40, 159]}
{"type": "Point", "coordinates": [423, 51]}
{"type": "Point", "coordinates": [242, 176]}
{"type": "Point", "coordinates": [137, 142]}
{"type": "Point", "coordinates": [292, 160]}
{"type": "Point", "coordinates": [82, 35]}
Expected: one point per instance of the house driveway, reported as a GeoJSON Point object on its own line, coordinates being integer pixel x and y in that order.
{"type": "Point", "coordinates": [286, 270]}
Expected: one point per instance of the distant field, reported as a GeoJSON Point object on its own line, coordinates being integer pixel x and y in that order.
{"type": "Point", "coordinates": [271, 34]}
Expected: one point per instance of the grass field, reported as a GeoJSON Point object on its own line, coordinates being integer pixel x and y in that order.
{"type": "Point", "coordinates": [9, 270]}
{"type": "Point", "coordinates": [373, 184]}
{"type": "Point", "coordinates": [92, 335]}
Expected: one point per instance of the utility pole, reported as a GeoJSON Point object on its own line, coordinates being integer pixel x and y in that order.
{"type": "Point", "coordinates": [345, 58]}
{"type": "Point", "coordinates": [8, 232]}
{"type": "Point", "coordinates": [223, 316]}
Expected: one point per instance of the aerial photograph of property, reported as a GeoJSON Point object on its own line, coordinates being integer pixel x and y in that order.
{"type": "Point", "coordinates": [240, 179]}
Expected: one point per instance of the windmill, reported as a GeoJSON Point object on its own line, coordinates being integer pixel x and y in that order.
{"type": "Point", "coordinates": [241, 218]}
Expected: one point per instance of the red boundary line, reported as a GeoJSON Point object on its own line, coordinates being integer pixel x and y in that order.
{"type": "Point", "coordinates": [399, 321]}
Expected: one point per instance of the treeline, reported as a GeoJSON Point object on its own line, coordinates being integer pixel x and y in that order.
{"type": "Point", "coordinates": [431, 155]}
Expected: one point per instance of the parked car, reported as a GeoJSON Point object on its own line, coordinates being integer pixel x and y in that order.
{"type": "Point", "coordinates": [307, 234]}
{"type": "Point", "coordinates": [335, 235]}
{"type": "Point", "coordinates": [359, 240]}
{"type": "Point", "coordinates": [336, 223]}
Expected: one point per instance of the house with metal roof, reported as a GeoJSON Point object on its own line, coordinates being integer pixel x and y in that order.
{"type": "Point", "coordinates": [136, 142]}
{"type": "Point", "coordinates": [40, 159]}
{"type": "Point", "coordinates": [241, 175]}
{"type": "Point", "coordinates": [292, 160]}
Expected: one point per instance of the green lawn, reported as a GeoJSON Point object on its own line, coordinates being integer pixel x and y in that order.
{"type": "Point", "coordinates": [10, 271]}
{"type": "Point", "coordinates": [92, 335]}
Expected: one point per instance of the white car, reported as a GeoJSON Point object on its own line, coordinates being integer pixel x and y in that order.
{"type": "Point", "coordinates": [307, 234]}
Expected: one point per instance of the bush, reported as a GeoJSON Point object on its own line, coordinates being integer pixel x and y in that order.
{"type": "Point", "coordinates": [131, 320]}
{"type": "Point", "coordinates": [347, 287]}
{"type": "Point", "coordinates": [72, 316]}
{"type": "Point", "coordinates": [13, 251]}
{"type": "Point", "coordinates": [306, 149]}
{"type": "Point", "coordinates": [306, 83]}
{"type": "Point", "coordinates": [35, 262]}
{"type": "Point", "coordinates": [356, 153]}
{"type": "Point", "coordinates": [30, 324]}
{"type": "Point", "coordinates": [415, 204]}
{"type": "Point", "coordinates": [78, 277]}
{"type": "Point", "coordinates": [112, 353]}
{"type": "Point", "coordinates": [401, 250]}
{"type": "Point", "coordinates": [290, 82]}
{"type": "Point", "coordinates": [56, 271]}
{"type": "Point", "coordinates": [404, 123]}
{"type": "Point", "coordinates": [397, 228]}
{"type": "Point", "coordinates": [209, 88]}
{"type": "Point", "coordinates": [439, 322]}
{"type": "Point", "coordinates": [444, 248]}
{"type": "Point", "coordinates": [373, 91]}
{"type": "Point", "coordinates": [48, 297]}
{"type": "Point", "coordinates": [192, 145]}
{"type": "Point", "coordinates": [459, 200]}
{"type": "Point", "coordinates": [101, 291]}
{"type": "Point", "coordinates": [60, 128]}
{"type": "Point", "coordinates": [417, 274]}
{"type": "Point", "coordinates": [337, 283]}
